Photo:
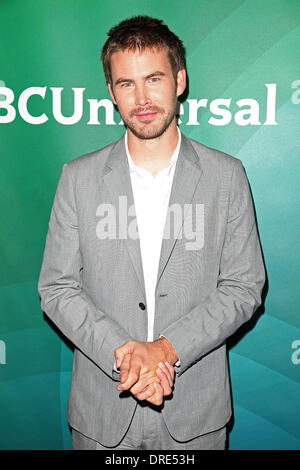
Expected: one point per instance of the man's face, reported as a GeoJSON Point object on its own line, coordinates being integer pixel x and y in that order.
{"type": "Point", "coordinates": [145, 91]}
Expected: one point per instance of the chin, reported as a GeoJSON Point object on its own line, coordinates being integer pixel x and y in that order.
{"type": "Point", "coordinates": [149, 132]}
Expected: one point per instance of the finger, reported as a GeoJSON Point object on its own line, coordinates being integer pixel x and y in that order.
{"type": "Point", "coordinates": [171, 369]}
{"type": "Point", "coordinates": [167, 390]}
{"type": "Point", "coordinates": [142, 384]}
{"type": "Point", "coordinates": [146, 393]}
{"type": "Point", "coordinates": [124, 368]}
{"type": "Point", "coordinates": [157, 398]}
{"type": "Point", "coordinates": [126, 362]}
{"type": "Point", "coordinates": [119, 359]}
{"type": "Point", "coordinates": [167, 372]}
{"type": "Point", "coordinates": [133, 377]}
{"type": "Point", "coordinates": [123, 376]}
{"type": "Point", "coordinates": [120, 352]}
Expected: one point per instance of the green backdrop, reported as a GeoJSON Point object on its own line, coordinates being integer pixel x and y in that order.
{"type": "Point", "coordinates": [234, 48]}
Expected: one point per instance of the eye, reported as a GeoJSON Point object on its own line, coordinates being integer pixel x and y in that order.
{"type": "Point", "coordinates": [126, 84]}
{"type": "Point", "coordinates": [153, 79]}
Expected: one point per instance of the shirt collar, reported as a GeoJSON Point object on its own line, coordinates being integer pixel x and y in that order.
{"type": "Point", "coordinates": [133, 168]}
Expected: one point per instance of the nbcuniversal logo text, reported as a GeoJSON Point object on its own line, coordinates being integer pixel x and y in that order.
{"type": "Point", "coordinates": [248, 112]}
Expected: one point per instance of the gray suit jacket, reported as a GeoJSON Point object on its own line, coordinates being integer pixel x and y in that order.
{"type": "Point", "coordinates": [91, 288]}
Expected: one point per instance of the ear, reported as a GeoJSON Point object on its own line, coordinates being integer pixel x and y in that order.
{"type": "Point", "coordinates": [181, 81]}
{"type": "Point", "coordinates": [111, 93]}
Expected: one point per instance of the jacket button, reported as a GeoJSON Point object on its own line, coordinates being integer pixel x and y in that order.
{"type": "Point", "coordinates": [142, 306]}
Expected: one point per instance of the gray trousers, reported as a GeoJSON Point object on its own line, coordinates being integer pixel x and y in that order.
{"type": "Point", "coordinates": [148, 431]}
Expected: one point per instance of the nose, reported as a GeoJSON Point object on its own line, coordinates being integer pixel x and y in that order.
{"type": "Point", "coordinates": [141, 96]}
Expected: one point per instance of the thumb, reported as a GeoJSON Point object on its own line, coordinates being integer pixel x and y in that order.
{"type": "Point", "coordinates": [121, 352]}
{"type": "Point", "coordinates": [124, 368]}
{"type": "Point", "coordinates": [119, 358]}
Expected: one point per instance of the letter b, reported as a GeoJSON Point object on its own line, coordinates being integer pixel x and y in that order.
{"type": "Point", "coordinates": [6, 104]}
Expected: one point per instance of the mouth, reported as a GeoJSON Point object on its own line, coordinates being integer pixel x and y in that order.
{"type": "Point", "coordinates": [146, 116]}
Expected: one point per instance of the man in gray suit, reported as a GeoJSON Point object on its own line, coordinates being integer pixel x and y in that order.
{"type": "Point", "coordinates": [152, 260]}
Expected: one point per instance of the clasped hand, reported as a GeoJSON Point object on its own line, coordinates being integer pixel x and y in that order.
{"type": "Point", "coordinates": [146, 369]}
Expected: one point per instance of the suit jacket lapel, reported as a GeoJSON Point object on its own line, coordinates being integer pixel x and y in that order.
{"type": "Point", "coordinates": [186, 178]}
{"type": "Point", "coordinates": [117, 180]}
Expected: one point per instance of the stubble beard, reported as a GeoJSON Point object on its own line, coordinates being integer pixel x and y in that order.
{"type": "Point", "coordinates": [150, 130]}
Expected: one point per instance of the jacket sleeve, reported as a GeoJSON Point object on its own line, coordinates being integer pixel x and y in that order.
{"type": "Point", "coordinates": [62, 296]}
{"type": "Point", "coordinates": [240, 283]}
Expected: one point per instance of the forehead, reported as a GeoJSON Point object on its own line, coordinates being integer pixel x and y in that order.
{"type": "Point", "coordinates": [134, 64]}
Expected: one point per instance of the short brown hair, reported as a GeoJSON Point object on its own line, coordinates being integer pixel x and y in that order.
{"type": "Point", "coordinates": [142, 32]}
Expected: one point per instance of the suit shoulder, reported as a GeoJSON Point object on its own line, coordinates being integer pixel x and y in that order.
{"type": "Point", "coordinates": [211, 156]}
{"type": "Point", "coordinates": [90, 161]}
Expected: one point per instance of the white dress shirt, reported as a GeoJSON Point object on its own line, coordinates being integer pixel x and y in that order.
{"type": "Point", "coordinates": [151, 199]}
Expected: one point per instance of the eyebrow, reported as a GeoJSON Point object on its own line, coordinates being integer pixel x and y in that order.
{"type": "Point", "coordinates": [158, 73]}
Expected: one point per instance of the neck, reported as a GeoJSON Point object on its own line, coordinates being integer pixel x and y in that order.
{"type": "Point", "coordinates": [153, 154]}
